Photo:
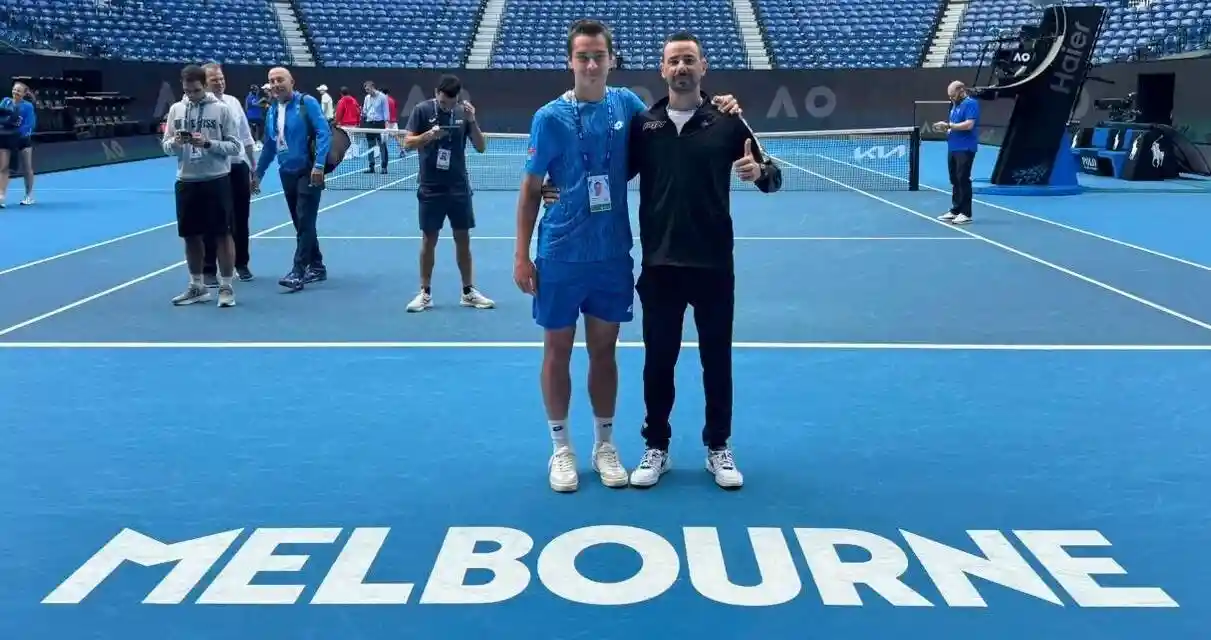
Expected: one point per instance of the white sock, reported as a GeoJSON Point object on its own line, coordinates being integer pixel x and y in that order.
{"type": "Point", "coordinates": [603, 429]}
{"type": "Point", "coordinates": [195, 278]}
{"type": "Point", "coordinates": [559, 433]}
{"type": "Point", "coordinates": [224, 281]}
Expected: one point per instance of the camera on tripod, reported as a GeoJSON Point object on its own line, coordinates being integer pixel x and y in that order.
{"type": "Point", "coordinates": [1120, 109]}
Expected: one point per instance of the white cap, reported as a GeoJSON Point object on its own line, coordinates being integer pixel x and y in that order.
{"type": "Point", "coordinates": [322, 87]}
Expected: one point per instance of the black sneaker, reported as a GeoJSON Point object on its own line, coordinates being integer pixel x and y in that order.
{"type": "Point", "coordinates": [292, 281]}
{"type": "Point", "coordinates": [315, 274]}
{"type": "Point", "coordinates": [244, 274]}
{"type": "Point", "coordinates": [211, 280]}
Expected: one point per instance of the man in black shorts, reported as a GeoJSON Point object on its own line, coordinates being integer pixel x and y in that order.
{"type": "Point", "coordinates": [438, 130]}
{"type": "Point", "coordinates": [202, 133]}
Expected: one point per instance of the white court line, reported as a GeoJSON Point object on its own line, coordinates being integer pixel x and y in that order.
{"type": "Point", "coordinates": [749, 238]}
{"type": "Point", "coordinates": [1033, 258]}
{"type": "Point", "coordinates": [1061, 225]}
{"type": "Point", "coordinates": [97, 245]}
{"type": "Point", "coordinates": [868, 346]}
{"type": "Point", "coordinates": [177, 265]}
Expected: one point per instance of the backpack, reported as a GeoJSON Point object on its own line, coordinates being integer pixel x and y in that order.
{"type": "Point", "coordinates": [339, 140]}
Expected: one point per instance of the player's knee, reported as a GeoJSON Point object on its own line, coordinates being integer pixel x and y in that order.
{"type": "Point", "coordinates": [558, 345]}
{"type": "Point", "coordinates": [429, 239]}
{"type": "Point", "coordinates": [462, 238]}
{"type": "Point", "coordinates": [601, 340]}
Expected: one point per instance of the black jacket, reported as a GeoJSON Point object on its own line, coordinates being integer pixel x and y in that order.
{"type": "Point", "coordinates": [685, 184]}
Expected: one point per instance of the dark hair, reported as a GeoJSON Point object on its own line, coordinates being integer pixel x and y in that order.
{"type": "Point", "coordinates": [685, 36]}
{"type": "Point", "coordinates": [193, 73]}
{"type": "Point", "coordinates": [385, 91]}
{"type": "Point", "coordinates": [450, 85]}
{"type": "Point", "coordinates": [590, 28]}
{"type": "Point", "coordinates": [344, 91]}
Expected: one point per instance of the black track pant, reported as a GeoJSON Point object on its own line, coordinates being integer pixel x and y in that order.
{"type": "Point", "coordinates": [959, 166]}
{"type": "Point", "coordinates": [666, 293]}
{"type": "Point", "coordinates": [241, 194]}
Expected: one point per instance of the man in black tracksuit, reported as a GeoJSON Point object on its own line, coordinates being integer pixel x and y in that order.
{"type": "Point", "coordinates": [685, 151]}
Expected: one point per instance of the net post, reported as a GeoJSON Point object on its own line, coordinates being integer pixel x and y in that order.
{"type": "Point", "coordinates": [914, 159]}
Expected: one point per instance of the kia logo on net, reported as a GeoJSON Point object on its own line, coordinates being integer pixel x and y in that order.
{"type": "Point", "coordinates": [881, 152]}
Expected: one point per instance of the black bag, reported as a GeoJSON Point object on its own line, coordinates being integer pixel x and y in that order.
{"type": "Point", "coordinates": [338, 146]}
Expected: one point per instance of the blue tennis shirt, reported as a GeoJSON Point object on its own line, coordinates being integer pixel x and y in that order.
{"type": "Point", "coordinates": [967, 109]}
{"type": "Point", "coordinates": [568, 231]}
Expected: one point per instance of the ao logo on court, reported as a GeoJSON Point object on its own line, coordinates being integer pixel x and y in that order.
{"type": "Point", "coordinates": [509, 556]}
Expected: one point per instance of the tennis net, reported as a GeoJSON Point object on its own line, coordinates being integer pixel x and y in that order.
{"type": "Point", "coordinates": [834, 160]}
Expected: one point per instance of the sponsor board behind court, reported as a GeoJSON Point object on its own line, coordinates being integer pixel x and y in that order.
{"type": "Point", "coordinates": [777, 100]}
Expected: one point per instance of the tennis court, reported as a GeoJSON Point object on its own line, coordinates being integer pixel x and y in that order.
{"type": "Point", "coordinates": [1008, 417]}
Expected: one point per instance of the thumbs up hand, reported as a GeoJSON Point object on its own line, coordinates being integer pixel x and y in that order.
{"type": "Point", "coordinates": [747, 168]}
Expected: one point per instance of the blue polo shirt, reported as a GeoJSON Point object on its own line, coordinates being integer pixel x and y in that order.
{"type": "Point", "coordinates": [967, 109]}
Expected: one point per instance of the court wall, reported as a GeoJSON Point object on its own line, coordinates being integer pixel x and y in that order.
{"type": "Point", "coordinates": [778, 100]}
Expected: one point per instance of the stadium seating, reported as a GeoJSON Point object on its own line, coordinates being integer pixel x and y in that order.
{"type": "Point", "coordinates": [533, 33]}
{"type": "Point", "coordinates": [431, 34]}
{"type": "Point", "coordinates": [1154, 24]}
{"type": "Point", "coordinates": [833, 34]}
{"type": "Point", "coordinates": [233, 31]}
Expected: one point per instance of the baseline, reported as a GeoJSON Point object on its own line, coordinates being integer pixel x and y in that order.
{"type": "Point", "coordinates": [1033, 258]}
{"type": "Point", "coordinates": [873, 346]}
{"type": "Point", "coordinates": [179, 264]}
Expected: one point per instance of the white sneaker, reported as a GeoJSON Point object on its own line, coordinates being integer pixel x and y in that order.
{"type": "Point", "coordinates": [961, 219]}
{"type": "Point", "coordinates": [226, 296]}
{"type": "Point", "coordinates": [421, 302]}
{"type": "Point", "coordinates": [476, 299]}
{"type": "Point", "coordinates": [608, 465]}
{"type": "Point", "coordinates": [562, 470]}
{"type": "Point", "coordinates": [947, 217]}
{"type": "Point", "coordinates": [654, 464]}
{"type": "Point", "coordinates": [721, 464]}
{"type": "Point", "coordinates": [27, 201]}
{"type": "Point", "coordinates": [195, 293]}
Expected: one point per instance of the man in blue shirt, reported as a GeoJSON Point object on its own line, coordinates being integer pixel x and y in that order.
{"type": "Point", "coordinates": [375, 114]}
{"type": "Point", "coordinates": [297, 136]}
{"type": "Point", "coordinates": [962, 140]}
{"type": "Point", "coordinates": [583, 263]}
{"type": "Point", "coordinates": [17, 122]}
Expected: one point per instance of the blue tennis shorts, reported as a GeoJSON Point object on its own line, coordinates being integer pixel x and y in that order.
{"type": "Point", "coordinates": [604, 290]}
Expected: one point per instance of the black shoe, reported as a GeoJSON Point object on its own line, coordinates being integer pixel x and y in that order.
{"type": "Point", "coordinates": [292, 281]}
{"type": "Point", "coordinates": [244, 274]}
{"type": "Point", "coordinates": [370, 170]}
{"type": "Point", "coordinates": [315, 274]}
{"type": "Point", "coordinates": [211, 280]}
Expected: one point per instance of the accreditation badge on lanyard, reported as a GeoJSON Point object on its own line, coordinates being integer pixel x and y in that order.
{"type": "Point", "coordinates": [598, 183]}
{"type": "Point", "coordinates": [443, 153]}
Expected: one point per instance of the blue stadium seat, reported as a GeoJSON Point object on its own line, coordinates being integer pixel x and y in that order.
{"type": "Point", "coordinates": [833, 34]}
{"type": "Point", "coordinates": [429, 34]}
{"type": "Point", "coordinates": [533, 33]}
{"type": "Point", "coordinates": [233, 31]}
{"type": "Point", "coordinates": [1162, 26]}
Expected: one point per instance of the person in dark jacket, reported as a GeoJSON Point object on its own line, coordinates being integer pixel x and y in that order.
{"type": "Point", "coordinates": [685, 151]}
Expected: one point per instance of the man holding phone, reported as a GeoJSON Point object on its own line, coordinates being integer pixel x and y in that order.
{"type": "Point", "coordinates": [438, 130]}
{"type": "Point", "coordinates": [202, 133]}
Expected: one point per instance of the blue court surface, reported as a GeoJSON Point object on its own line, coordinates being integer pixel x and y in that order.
{"type": "Point", "coordinates": [994, 431]}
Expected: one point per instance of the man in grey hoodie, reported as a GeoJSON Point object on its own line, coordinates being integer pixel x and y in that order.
{"type": "Point", "coordinates": [203, 134]}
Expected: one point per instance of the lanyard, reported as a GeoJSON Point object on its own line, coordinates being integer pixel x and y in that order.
{"type": "Point", "coordinates": [609, 132]}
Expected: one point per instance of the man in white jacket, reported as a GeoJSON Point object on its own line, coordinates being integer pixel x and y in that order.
{"type": "Point", "coordinates": [202, 133]}
{"type": "Point", "coordinates": [243, 167]}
